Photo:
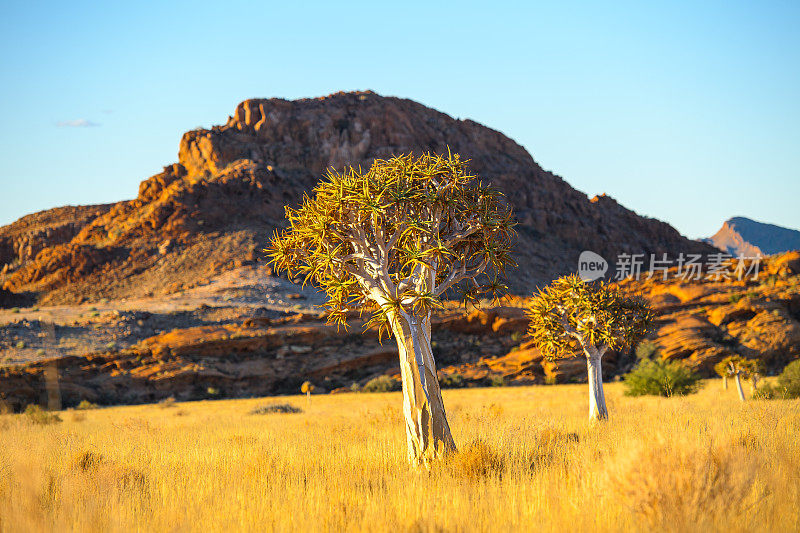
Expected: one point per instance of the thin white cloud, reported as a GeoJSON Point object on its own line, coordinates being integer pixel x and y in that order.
{"type": "Point", "coordinates": [78, 123]}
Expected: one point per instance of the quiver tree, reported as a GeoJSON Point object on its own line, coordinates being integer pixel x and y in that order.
{"type": "Point", "coordinates": [571, 315]}
{"type": "Point", "coordinates": [721, 369]}
{"type": "Point", "coordinates": [307, 388]}
{"type": "Point", "coordinates": [739, 367]}
{"type": "Point", "coordinates": [390, 242]}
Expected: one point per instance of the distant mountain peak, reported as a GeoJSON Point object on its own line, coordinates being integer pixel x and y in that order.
{"type": "Point", "coordinates": [742, 235]}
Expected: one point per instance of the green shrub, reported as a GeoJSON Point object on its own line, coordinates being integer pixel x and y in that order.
{"type": "Point", "coordinates": [789, 380]}
{"type": "Point", "coordinates": [381, 384]}
{"type": "Point", "coordinates": [451, 381]}
{"type": "Point", "coordinates": [646, 350]}
{"type": "Point", "coordinates": [766, 392]}
{"type": "Point", "coordinates": [37, 415]}
{"type": "Point", "coordinates": [497, 381]}
{"type": "Point", "coordinates": [661, 378]}
{"type": "Point", "coordinates": [86, 405]}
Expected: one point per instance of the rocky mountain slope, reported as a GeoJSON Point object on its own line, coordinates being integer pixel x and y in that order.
{"type": "Point", "coordinates": [236, 348]}
{"type": "Point", "coordinates": [212, 210]}
{"type": "Point", "coordinates": [743, 236]}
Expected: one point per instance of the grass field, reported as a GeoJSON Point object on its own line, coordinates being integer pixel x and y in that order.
{"type": "Point", "coordinates": [528, 460]}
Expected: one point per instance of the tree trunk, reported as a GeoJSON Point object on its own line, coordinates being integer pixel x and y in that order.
{"type": "Point", "coordinates": [597, 399]}
{"type": "Point", "coordinates": [725, 382]}
{"type": "Point", "coordinates": [739, 386]}
{"type": "Point", "coordinates": [427, 431]}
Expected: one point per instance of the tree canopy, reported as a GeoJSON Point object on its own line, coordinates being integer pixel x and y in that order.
{"type": "Point", "coordinates": [398, 236]}
{"type": "Point", "coordinates": [571, 312]}
{"type": "Point", "coordinates": [736, 364]}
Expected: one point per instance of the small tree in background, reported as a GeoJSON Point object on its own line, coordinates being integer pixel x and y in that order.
{"type": "Point", "coordinates": [390, 242]}
{"type": "Point", "coordinates": [738, 367]}
{"type": "Point", "coordinates": [307, 388]}
{"type": "Point", "coordinates": [721, 369]}
{"type": "Point", "coordinates": [571, 314]}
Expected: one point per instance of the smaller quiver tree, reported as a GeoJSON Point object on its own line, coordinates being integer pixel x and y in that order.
{"type": "Point", "coordinates": [389, 243]}
{"type": "Point", "coordinates": [571, 316]}
{"type": "Point", "coordinates": [307, 388]}
{"type": "Point", "coordinates": [739, 367]}
{"type": "Point", "coordinates": [721, 369]}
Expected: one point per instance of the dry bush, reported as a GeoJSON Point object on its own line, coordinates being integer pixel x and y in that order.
{"type": "Point", "coordinates": [474, 461]}
{"type": "Point", "coordinates": [37, 415]}
{"type": "Point", "coordinates": [672, 488]}
{"type": "Point", "coordinates": [552, 446]}
{"type": "Point", "coordinates": [166, 403]}
{"type": "Point", "coordinates": [99, 470]}
{"type": "Point", "coordinates": [276, 408]}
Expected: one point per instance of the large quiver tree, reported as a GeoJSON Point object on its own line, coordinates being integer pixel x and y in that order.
{"type": "Point", "coordinates": [391, 242]}
{"type": "Point", "coordinates": [571, 316]}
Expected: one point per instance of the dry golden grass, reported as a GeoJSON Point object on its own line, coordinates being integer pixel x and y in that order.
{"type": "Point", "coordinates": [529, 460]}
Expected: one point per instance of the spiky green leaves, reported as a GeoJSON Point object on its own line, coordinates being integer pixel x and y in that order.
{"type": "Point", "coordinates": [736, 364]}
{"type": "Point", "coordinates": [398, 236]}
{"type": "Point", "coordinates": [570, 313]}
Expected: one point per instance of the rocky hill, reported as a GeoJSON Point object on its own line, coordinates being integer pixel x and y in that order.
{"type": "Point", "coordinates": [212, 210]}
{"type": "Point", "coordinates": [235, 350]}
{"type": "Point", "coordinates": [743, 236]}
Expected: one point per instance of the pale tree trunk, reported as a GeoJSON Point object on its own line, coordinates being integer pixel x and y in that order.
{"type": "Point", "coordinates": [427, 431]}
{"type": "Point", "coordinates": [725, 382]}
{"type": "Point", "coordinates": [597, 399]}
{"type": "Point", "coordinates": [739, 386]}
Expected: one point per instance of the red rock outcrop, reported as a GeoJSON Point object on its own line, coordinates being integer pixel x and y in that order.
{"type": "Point", "coordinates": [218, 204]}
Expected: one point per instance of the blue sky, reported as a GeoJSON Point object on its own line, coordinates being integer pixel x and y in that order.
{"type": "Point", "coordinates": [684, 111]}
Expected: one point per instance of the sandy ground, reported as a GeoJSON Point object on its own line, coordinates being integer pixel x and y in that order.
{"type": "Point", "coordinates": [32, 333]}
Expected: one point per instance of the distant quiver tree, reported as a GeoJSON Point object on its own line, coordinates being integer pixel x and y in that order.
{"type": "Point", "coordinates": [571, 316]}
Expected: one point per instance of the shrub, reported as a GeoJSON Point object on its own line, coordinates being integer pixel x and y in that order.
{"type": "Point", "coordinates": [661, 378]}
{"type": "Point", "coordinates": [684, 488]}
{"type": "Point", "coordinates": [646, 350]}
{"type": "Point", "coordinates": [20, 345]}
{"type": "Point", "coordinates": [37, 415]}
{"type": "Point", "coordinates": [167, 402]}
{"type": "Point", "coordinates": [789, 380]}
{"type": "Point", "coordinates": [86, 405]}
{"type": "Point", "coordinates": [451, 381]}
{"type": "Point", "coordinates": [766, 392]}
{"type": "Point", "coordinates": [474, 461]}
{"type": "Point", "coordinates": [734, 298]}
{"type": "Point", "coordinates": [276, 408]}
{"type": "Point", "coordinates": [381, 384]}
{"type": "Point", "coordinates": [497, 381]}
